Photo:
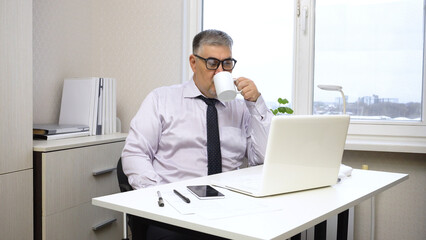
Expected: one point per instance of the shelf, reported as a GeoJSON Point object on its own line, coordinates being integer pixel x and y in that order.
{"type": "Point", "coordinates": [61, 144]}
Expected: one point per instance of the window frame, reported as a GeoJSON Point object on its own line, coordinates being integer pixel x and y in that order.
{"type": "Point", "coordinates": [362, 135]}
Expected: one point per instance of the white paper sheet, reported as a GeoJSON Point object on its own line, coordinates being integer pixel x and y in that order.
{"type": "Point", "coordinates": [234, 204]}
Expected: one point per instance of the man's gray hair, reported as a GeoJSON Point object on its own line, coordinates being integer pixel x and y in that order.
{"type": "Point", "coordinates": [211, 37]}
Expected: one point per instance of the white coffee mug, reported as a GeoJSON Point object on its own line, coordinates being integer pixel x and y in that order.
{"type": "Point", "coordinates": [225, 87]}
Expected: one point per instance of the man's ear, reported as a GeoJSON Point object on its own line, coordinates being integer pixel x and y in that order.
{"type": "Point", "coordinates": [192, 62]}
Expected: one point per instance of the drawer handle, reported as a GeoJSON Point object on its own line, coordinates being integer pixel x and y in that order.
{"type": "Point", "coordinates": [103, 224]}
{"type": "Point", "coordinates": [103, 171]}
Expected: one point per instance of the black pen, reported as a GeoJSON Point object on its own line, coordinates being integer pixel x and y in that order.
{"type": "Point", "coordinates": [185, 199]}
{"type": "Point", "coordinates": [160, 199]}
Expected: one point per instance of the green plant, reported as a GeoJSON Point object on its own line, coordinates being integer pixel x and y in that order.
{"type": "Point", "coordinates": [282, 109]}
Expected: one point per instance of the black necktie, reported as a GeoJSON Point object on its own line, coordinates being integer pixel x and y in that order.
{"type": "Point", "coordinates": [214, 155]}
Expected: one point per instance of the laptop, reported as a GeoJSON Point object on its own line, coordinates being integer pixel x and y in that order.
{"type": "Point", "coordinates": [303, 152]}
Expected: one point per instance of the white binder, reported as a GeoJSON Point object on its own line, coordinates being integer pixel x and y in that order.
{"type": "Point", "coordinates": [89, 101]}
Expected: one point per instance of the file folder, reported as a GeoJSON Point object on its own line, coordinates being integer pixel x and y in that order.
{"type": "Point", "coordinates": [89, 101]}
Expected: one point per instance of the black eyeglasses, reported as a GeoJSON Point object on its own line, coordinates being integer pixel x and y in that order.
{"type": "Point", "coordinates": [214, 63]}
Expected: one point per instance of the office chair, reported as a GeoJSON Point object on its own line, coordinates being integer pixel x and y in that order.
{"type": "Point", "coordinates": [123, 183]}
{"type": "Point", "coordinates": [137, 228]}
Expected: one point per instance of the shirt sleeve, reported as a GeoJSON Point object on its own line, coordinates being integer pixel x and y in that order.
{"type": "Point", "coordinates": [141, 144]}
{"type": "Point", "coordinates": [258, 123]}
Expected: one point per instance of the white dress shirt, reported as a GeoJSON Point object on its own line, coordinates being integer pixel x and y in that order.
{"type": "Point", "coordinates": [167, 140]}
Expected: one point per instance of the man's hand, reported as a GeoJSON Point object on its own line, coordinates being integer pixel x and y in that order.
{"type": "Point", "coordinates": [248, 89]}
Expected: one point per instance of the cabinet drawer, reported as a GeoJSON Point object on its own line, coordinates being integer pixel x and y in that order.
{"type": "Point", "coordinates": [78, 223]}
{"type": "Point", "coordinates": [74, 176]}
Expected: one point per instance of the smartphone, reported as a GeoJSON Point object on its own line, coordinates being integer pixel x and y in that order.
{"type": "Point", "coordinates": [205, 192]}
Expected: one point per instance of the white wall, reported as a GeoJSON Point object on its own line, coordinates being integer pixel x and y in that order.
{"type": "Point", "coordinates": [138, 42]}
{"type": "Point", "coordinates": [62, 47]}
{"type": "Point", "coordinates": [400, 210]}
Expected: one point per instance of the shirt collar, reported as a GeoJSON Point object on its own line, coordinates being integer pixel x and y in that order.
{"type": "Point", "coordinates": [190, 90]}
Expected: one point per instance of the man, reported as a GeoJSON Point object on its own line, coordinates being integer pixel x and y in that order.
{"type": "Point", "coordinates": [168, 137]}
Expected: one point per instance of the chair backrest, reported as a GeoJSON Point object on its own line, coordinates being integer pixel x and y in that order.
{"type": "Point", "coordinates": [123, 182]}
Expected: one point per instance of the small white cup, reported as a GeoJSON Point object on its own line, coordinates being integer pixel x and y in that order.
{"type": "Point", "coordinates": [225, 87]}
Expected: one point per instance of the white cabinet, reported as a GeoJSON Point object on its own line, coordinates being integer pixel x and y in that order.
{"type": "Point", "coordinates": [68, 173]}
{"type": "Point", "coordinates": [16, 111]}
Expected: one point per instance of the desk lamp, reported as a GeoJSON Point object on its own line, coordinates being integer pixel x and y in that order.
{"type": "Point", "coordinates": [335, 88]}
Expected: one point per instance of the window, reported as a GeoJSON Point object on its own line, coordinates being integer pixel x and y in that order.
{"type": "Point", "coordinates": [374, 49]}
{"type": "Point", "coordinates": [263, 41]}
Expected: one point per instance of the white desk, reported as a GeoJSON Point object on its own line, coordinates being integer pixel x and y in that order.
{"type": "Point", "coordinates": [296, 211]}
